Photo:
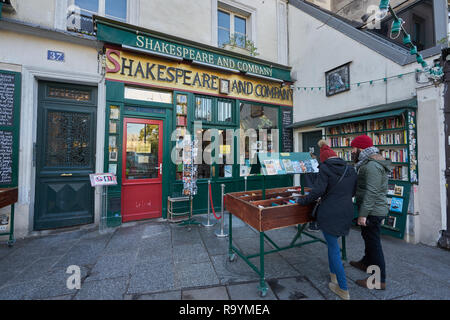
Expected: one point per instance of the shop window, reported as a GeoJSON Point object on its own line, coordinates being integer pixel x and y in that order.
{"type": "Point", "coordinates": [204, 169]}
{"type": "Point", "coordinates": [225, 150]}
{"type": "Point", "coordinates": [231, 25]}
{"type": "Point", "coordinates": [148, 95]}
{"type": "Point", "coordinates": [203, 109]}
{"type": "Point", "coordinates": [224, 111]}
{"type": "Point", "coordinates": [259, 132]}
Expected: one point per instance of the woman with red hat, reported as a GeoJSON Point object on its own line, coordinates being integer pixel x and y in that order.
{"type": "Point", "coordinates": [335, 186]}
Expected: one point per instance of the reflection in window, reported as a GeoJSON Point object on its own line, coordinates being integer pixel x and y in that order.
{"type": "Point", "coordinates": [116, 9]}
{"type": "Point", "coordinates": [204, 170]}
{"type": "Point", "coordinates": [259, 131]}
{"type": "Point", "coordinates": [142, 151]}
{"type": "Point", "coordinates": [225, 145]}
{"type": "Point", "coordinates": [88, 7]}
{"type": "Point", "coordinates": [224, 111]}
{"type": "Point", "coordinates": [203, 107]}
{"type": "Point", "coordinates": [148, 95]}
{"type": "Point", "coordinates": [223, 28]}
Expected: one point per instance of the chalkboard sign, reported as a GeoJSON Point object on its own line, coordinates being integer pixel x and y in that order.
{"type": "Point", "coordinates": [9, 127]}
{"type": "Point", "coordinates": [286, 133]}
{"type": "Point", "coordinates": [6, 156]}
{"type": "Point", "coordinates": [7, 85]}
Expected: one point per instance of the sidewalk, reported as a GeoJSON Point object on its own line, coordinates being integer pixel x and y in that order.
{"type": "Point", "coordinates": [160, 260]}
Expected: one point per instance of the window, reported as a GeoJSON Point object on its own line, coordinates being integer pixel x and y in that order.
{"type": "Point", "coordinates": [231, 25]}
{"type": "Point", "coordinates": [80, 16]}
{"type": "Point", "coordinates": [224, 111]}
{"type": "Point", "coordinates": [148, 95]}
{"type": "Point", "coordinates": [203, 109]}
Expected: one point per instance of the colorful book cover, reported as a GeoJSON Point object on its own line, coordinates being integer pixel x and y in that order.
{"type": "Point", "coordinates": [308, 166]}
{"type": "Point", "coordinates": [396, 205]}
{"type": "Point", "coordinates": [390, 221]}
{"type": "Point", "coordinates": [288, 167]}
{"type": "Point", "coordinates": [398, 191]}
{"type": "Point", "coordinates": [297, 167]}
{"type": "Point", "coordinates": [303, 167]}
{"type": "Point", "coordinates": [278, 167]}
{"type": "Point", "coordinates": [270, 167]}
{"type": "Point", "coordinates": [315, 165]}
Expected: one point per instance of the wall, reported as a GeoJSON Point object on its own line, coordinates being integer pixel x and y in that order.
{"type": "Point", "coordinates": [40, 12]}
{"type": "Point", "coordinates": [29, 54]}
{"type": "Point", "coordinates": [319, 48]}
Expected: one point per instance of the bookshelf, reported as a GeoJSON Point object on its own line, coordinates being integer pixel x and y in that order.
{"type": "Point", "coordinates": [394, 134]}
{"type": "Point", "coordinates": [181, 127]}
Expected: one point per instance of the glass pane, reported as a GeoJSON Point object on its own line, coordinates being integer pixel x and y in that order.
{"type": "Point", "coordinates": [204, 170]}
{"type": "Point", "coordinates": [148, 95]}
{"type": "Point", "coordinates": [224, 37]}
{"type": "Point", "coordinates": [203, 109]}
{"type": "Point", "coordinates": [116, 9]}
{"type": "Point", "coordinates": [72, 94]}
{"type": "Point", "coordinates": [90, 5]}
{"type": "Point", "coordinates": [239, 25]}
{"type": "Point", "coordinates": [142, 151]}
{"type": "Point", "coordinates": [68, 139]}
{"type": "Point", "coordinates": [223, 19]}
{"type": "Point", "coordinates": [224, 111]}
{"type": "Point", "coordinates": [225, 169]}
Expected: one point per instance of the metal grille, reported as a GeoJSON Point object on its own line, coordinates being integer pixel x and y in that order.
{"type": "Point", "coordinates": [68, 141]}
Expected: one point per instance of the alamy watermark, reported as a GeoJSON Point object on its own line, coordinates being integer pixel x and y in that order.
{"type": "Point", "coordinates": [74, 280]}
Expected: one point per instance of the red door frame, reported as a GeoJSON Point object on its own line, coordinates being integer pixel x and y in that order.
{"type": "Point", "coordinates": [143, 182]}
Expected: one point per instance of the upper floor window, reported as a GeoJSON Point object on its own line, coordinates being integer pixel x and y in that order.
{"type": "Point", "coordinates": [231, 26]}
{"type": "Point", "coordinates": [80, 15]}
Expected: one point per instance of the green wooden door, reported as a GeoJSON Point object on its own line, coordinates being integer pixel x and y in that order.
{"type": "Point", "coordinates": [65, 156]}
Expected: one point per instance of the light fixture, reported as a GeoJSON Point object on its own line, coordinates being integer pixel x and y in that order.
{"type": "Point", "coordinates": [384, 8]}
{"type": "Point", "coordinates": [396, 28]}
{"type": "Point", "coordinates": [153, 53]}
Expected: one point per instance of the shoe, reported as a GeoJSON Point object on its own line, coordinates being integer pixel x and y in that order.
{"type": "Point", "coordinates": [343, 294]}
{"type": "Point", "coordinates": [312, 227]}
{"type": "Point", "coordinates": [359, 265]}
{"type": "Point", "coordinates": [333, 278]}
{"type": "Point", "coordinates": [363, 283]}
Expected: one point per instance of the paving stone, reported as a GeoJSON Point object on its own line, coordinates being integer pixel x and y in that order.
{"type": "Point", "coordinates": [155, 255]}
{"type": "Point", "coordinates": [109, 289]}
{"type": "Point", "coordinates": [232, 272]}
{"type": "Point", "coordinates": [155, 230]}
{"type": "Point", "coordinates": [195, 275]}
{"type": "Point", "coordinates": [190, 253]}
{"type": "Point", "coordinates": [184, 235]}
{"type": "Point", "coordinates": [19, 291]}
{"type": "Point", "coordinates": [35, 271]}
{"type": "Point", "coordinates": [214, 293]}
{"type": "Point", "coordinates": [152, 277]}
{"type": "Point", "coordinates": [215, 245]}
{"type": "Point", "coordinates": [85, 252]}
{"type": "Point", "coordinates": [171, 295]}
{"type": "Point", "coordinates": [66, 297]}
{"type": "Point", "coordinates": [296, 288]}
{"type": "Point", "coordinates": [123, 243]}
{"type": "Point", "coordinates": [113, 266]}
{"type": "Point", "coordinates": [249, 291]}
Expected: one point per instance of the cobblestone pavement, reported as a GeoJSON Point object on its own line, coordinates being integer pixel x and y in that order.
{"type": "Point", "coordinates": [159, 260]}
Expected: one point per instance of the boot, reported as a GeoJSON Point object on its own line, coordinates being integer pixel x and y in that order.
{"type": "Point", "coordinates": [333, 278]}
{"type": "Point", "coordinates": [343, 294]}
{"type": "Point", "coordinates": [363, 283]}
{"type": "Point", "coordinates": [359, 265]}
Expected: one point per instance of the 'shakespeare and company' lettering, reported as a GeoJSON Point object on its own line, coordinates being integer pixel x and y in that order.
{"type": "Point", "coordinates": [148, 70]}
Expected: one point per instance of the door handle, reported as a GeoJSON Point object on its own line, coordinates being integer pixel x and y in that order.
{"type": "Point", "coordinates": [160, 168]}
{"type": "Point", "coordinates": [66, 175]}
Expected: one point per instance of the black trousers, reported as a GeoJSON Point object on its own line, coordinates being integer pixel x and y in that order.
{"type": "Point", "coordinates": [373, 250]}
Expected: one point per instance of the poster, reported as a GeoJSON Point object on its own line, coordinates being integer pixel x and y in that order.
{"type": "Point", "coordinates": [4, 221]}
{"type": "Point", "coordinates": [296, 166]}
{"type": "Point", "coordinates": [287, 163]}
{"type": "Point", "coordinates": [396, 205]}
{"type": "Point", "coordinates": [270, 167]}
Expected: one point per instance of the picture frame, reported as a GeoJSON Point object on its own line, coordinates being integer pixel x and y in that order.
{"type": "Point", "coordinates": [337, 80]}
{"type": "Point", "coordinates": [113, 155]}
{"type": "Point", "coordinates": [114, 112]}
{"type": "Point", "coordinates": [224, 86]}
{"type": "Point", "coordinates": [112, 127]}
{"type": "Point", "coordinates": [112, 142]}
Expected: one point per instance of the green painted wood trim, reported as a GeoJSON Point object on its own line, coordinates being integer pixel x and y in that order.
{"type": "Point", "coordinates": [362, 118]}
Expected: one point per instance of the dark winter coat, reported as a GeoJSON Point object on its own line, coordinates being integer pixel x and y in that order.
{"type": "Point", "coordinates": [372, 187]}
{"type": "Point", "coordinates": [336, 211]}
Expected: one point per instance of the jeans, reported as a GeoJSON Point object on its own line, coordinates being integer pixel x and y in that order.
{"type": "Point", "coordinates": [334, 260]}
{"type": "Point", "coordinates": [373, 250]}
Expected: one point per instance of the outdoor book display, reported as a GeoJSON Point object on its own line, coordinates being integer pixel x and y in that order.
{"type": "Point", "coordinates": [9, 148]}
{"type": "Point", "coordinates": [269, 209]}
{"type": "Point", "coordinates": [394, 134]}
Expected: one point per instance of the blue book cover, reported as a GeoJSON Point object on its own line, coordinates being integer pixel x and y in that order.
{"type": "Point", "coordinates": [396, 205]}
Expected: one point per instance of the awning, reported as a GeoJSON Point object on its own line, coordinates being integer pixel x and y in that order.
{"type": "Point", "coordinates": [387, 114]}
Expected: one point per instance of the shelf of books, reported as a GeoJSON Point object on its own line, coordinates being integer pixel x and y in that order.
{"type": "Point", "coordinates": [181, 124]}
{"type": "Point", "coordinates": [395, 137]}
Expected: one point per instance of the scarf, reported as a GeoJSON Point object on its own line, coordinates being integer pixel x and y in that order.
{"type": "Point", "coordinates": [365, 154]}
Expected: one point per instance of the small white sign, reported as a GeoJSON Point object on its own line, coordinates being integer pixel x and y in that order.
{"type": "Point", "coordinates": [102, 179]}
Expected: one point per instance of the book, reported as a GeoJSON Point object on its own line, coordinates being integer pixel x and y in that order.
{"type": "Point", "coordinates": [278, 167]}
{"type": "Point", "coordinates": [390, 221]}
{"type": "Point", "coordinates": [288, 167]}
{"type": "Point", "coordinates": [270, 167]}
{"type": "Point", "coordinates": [308, 166]}
{"type": "Point", "coordinates": [398, 191]}
{"type": "Point", "coordinates": [396, 205]}
{"type": "Point", "coordinates": [296, 166]}
{"type": "Point", "coordinates": [391, 188]}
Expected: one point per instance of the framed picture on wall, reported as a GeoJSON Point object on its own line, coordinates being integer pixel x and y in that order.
{"type": "Point", "coordinates": [337, 80]}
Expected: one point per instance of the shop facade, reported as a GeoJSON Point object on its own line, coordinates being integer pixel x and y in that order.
{"type": "Point", "coordinates": [160, 89]}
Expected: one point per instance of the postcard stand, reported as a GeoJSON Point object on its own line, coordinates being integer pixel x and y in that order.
{"type": "Point", "coordinates": [269, 209]}
{"type": "Point", "coordinates": [190, 173]}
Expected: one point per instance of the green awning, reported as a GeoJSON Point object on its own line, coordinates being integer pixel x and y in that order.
{"type": "Point", "coordinates": [1, 5]}
{"type": "Point", "coordinates": [386, 114]}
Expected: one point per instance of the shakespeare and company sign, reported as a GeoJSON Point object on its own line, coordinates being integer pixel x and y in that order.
{"type": "Point", "coordinates": [140, 69]}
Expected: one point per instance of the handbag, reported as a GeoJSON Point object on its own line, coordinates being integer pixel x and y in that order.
{"type": "Point", "coordinates": [319, 201]}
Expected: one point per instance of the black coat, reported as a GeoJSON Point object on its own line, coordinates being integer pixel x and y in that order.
{"type": "Point", "coordinates": [335, 213]}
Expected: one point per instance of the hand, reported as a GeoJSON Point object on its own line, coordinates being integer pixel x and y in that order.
{"type": "Point", "coordinates": [362, 221]}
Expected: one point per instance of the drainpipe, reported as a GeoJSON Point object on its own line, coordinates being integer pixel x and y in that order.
{"type": "Point", "coordinates": [444, 241]}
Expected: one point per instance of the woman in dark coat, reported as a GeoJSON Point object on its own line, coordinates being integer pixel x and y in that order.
{"type": "Point", "coordinates": [335, 213]}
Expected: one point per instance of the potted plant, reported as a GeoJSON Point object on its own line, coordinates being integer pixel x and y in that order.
{"type": "Point", "coordinates": [241, 44]}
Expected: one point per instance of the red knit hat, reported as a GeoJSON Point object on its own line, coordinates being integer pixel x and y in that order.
{"type": "Point", "coordinates": [325, 151]}
{"type": "Point", "coordinates": [362, 142]}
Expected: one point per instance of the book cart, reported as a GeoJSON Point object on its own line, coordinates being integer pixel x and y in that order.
{"type": "Point", "coordinates": [269, 209]}
{"type": "Point", "coordinates": [394, 134]}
